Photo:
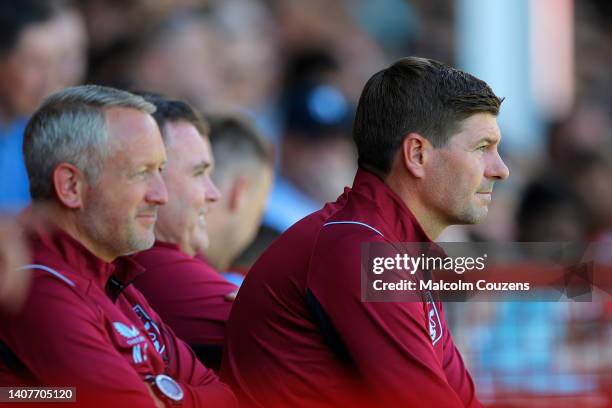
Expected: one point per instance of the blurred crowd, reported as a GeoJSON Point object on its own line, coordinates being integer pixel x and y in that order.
{"type": "Point", "coordinates": [295, 69]}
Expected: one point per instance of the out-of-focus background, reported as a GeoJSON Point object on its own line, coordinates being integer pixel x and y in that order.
{"type": "Point", "coordinates": [296, 69]}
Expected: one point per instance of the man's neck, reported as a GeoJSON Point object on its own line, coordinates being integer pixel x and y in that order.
{"type": "Point", "coordinates": [219, 253]}
{"type": "Point", "coordinates": [182, 242]}
{"type": "Point", "coordinates": [424, 215]}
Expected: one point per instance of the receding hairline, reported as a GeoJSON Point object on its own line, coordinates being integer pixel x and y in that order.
{"type": "Point", "coordinates": [169, 138]}
{"type": "Point", "coordinates": [120, 110]}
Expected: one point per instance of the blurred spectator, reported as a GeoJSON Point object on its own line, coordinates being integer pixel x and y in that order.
{"type": "Point", "coordinates": [393, 23]}
{"type": "Point", "coordinates": [250, 57]}
{"type": "Point", "coordinates": [14, 283]}
{"type": "Point", "coordinates": [317, 129]}
{"type": "Point", "coordinates": [112, 21]}
{"type": "Point", "coordinates": [587, 129]}
{"type": "Point", "coordinates": [113, 26]}
{"type": "Point", "coordinates": [41, 50]}
{"type": "Point", "coordinates": [244, 164]}
{"type": "Point", "coordinates": [71, 60]}
{"type": "Point", "coordinates": [590, 179]}
{"type": "Point", "coordinates": [221, 57]}
{"type": "Point", "coordinates": [550, 212]}
{"type": "Point", "coordinates": [330, 25]}
{"type": "Point", "coordinates": [176, 58]}
{"type": "Point", "coordinates": [317, 155]}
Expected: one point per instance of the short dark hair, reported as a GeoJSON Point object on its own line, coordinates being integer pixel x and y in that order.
{"type": "Point", "coordinates": [415, 95]}
{"type": "Point", "coordinates": [16, 15]}
{"type": "Point", "coordinates": [234, 139]}
{"type": "Point", "coordinates": [168, 110]}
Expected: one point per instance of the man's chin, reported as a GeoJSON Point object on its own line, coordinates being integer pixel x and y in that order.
{"type": "Point", "coordinates": [141, 243]}
{"type": "Point", "coordinates": [476, 216]}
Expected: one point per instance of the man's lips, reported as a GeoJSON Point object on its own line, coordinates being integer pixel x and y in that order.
{"type": "Point", "coordinates": [485, 196]}
{"type": "Point", "coordinates": [147, 216]}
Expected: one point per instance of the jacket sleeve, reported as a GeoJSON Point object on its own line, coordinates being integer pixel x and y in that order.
{"type": "Point", "coordinates": [387, 341]}
{"type": "Point", "coordinates": [456, 373]}
{"type": "Point", "coordinates": [61, 341]}
{"type": "Point", "coordinates": [201, 385]}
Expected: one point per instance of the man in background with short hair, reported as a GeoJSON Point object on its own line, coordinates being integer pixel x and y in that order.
{"type": "Point", "coordinates": [186, 292]}
{"type": "Point", "coordinates": [243, 172]}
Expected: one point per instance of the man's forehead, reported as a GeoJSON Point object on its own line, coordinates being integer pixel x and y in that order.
{"type": "Point", "coordinates": [125, 122]}
{"type": "Point", "coordinates": [113, 114]}
{"type": "Point", "coordinates": [133, 133]}
{"type": "Point", "coordinates": [184, 139]}
{"type": "Point", "coordinates": [480, 126]}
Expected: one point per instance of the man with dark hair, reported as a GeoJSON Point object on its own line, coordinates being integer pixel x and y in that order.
{"type": "Point", "coordinates": [24, 49]}
{"type": "Point", "coordinates": [244, 171]}
{"type": "Point", "coordinates": [427, 137]}
{"type": "Point", "coordinates": [94, 157]}
{"type": "Point", "coordinates": [42, 47]}
{"type": "Point", "coordinates": [186, 292]}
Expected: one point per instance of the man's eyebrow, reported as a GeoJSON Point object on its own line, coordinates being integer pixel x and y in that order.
{"type": "Point", "coordinates": [156, 164]}
{"type": "Point", "coordinates": [203, 165]}
{"type": "Point", "coordinates": [487, 139]}
{"type": "Point", "coordinates": [150, 165]}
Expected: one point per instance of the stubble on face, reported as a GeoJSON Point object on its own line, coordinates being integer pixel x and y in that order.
{"type": "Point", "coordinates": [119, 209]}
{"type": "Point", "coordinates": [99, 223]}
{"type": "Point", "coordinates": [461, 193]}
{"type": "Point", "coordinates": [183, 220]}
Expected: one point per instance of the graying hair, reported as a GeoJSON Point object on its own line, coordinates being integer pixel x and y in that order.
{"type": "Point", "coordinates": [70, 127]}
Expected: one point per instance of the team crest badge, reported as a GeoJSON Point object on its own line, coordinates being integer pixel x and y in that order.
{"type": "Point", "coordinates": [433, 318]}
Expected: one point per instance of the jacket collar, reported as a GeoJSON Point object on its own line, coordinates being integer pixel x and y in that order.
{"type": "Point", "coordinates": [396, 216]}
{"type": "Point", "coordinates": [56, 244]}
{"type": "Point", "coordinates": [167, 245]}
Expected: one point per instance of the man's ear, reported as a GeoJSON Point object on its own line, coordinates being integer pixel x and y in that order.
{"type": "Point", "coordinates": [237, 193]}
{"type": "Point", "coordinates": [414, 154]}
{"type": "Point", "coordinates": [68, 182]}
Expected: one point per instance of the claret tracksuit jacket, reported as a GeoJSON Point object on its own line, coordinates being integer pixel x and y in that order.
{"type": "Point", "coordinates": [85, 326]}
{"type": "Point", "coordinates": [299, 334]}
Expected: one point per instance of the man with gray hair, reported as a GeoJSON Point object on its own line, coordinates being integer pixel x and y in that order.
{"type": "Point", "coordinates": [94, 157]}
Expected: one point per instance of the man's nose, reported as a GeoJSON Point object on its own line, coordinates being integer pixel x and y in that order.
{"type": "Point", "coordinates": [157, 194]}
{"type": "Point", "coordinates": [212, 191]}
{"type": "Point", "coordinates": [497, 169]}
